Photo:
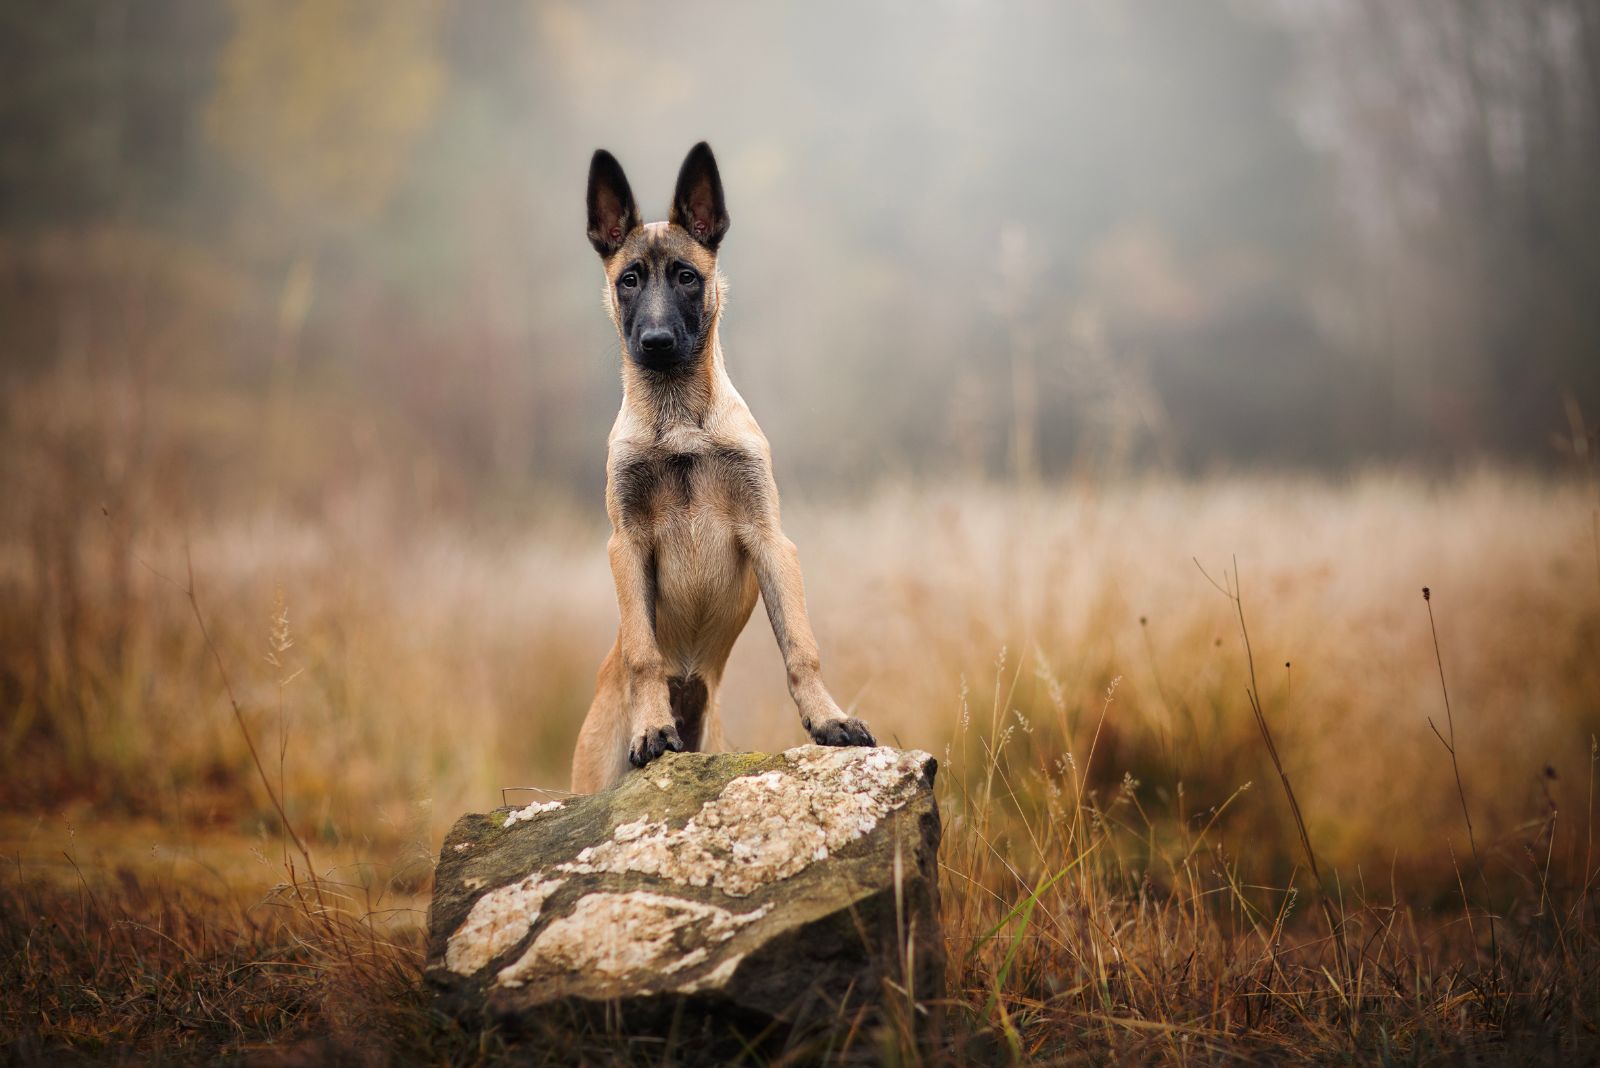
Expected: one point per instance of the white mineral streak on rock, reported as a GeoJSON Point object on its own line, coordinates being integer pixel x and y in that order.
{"type": "Point", "coordinates": [499, 920]}
{"type": "Point", "coordinates": [767, 827]}
{"type": "Point", "coordinates": [628, 935]}
{"type": "Point", "coordinates": [531, 811]}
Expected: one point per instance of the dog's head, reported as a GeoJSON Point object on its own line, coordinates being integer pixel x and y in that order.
{"type": "Point", "coordinates": [662, 288]}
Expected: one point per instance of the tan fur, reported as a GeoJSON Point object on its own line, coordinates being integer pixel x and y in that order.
{"type": "Point", "coordinates": [693, 562]}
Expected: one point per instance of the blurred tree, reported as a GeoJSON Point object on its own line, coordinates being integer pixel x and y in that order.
{"type": "Point", "coordinates": [1466, 134]}
{"type": "Point", "coordinates": [321, 101]}
{"type": "Point", "coordinates": [95, 115]}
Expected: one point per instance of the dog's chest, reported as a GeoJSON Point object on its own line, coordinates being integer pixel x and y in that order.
{"type": "Point", "coordinates": [658, 488]}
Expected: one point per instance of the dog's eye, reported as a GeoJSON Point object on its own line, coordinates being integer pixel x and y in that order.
{"type": "Point", "coordinates": [687, 278]}
{"type": "Point", "coordinates": [629, 280]}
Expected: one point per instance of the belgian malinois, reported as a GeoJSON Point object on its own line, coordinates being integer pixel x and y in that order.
{"type": "Point", "coordinates": [689, 490]}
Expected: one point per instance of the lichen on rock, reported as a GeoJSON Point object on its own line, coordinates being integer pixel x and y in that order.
{"type": "Point", "coordinates": [611, 936]}
{"type": "Point", "coordinates": [531, 811]}
{"type": "Point", "coordinates": [766, 827]}
{"type": "Point", "coordinates": [500, 919]}
{"type": "Point", "coordinates": [781, 888]}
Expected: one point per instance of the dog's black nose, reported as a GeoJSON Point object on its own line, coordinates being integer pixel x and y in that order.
{"type": "Point", "coordinates": [656, 342]}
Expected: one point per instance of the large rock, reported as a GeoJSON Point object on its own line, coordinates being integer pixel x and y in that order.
{"type": "Point", "coordinates": [703, 893]}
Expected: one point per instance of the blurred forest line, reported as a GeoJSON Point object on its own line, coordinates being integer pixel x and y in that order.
{"type": "Point", "coordinates": [261, 253]}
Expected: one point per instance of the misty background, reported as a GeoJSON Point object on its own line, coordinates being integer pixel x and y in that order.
{"type": "Point", "coordinates": [263, 253]}
{"type": "Point", "coordinates": [1039, 305]}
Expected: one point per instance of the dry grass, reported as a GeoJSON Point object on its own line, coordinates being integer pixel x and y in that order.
{"type": "Point", "coordinates": [1125, 879]}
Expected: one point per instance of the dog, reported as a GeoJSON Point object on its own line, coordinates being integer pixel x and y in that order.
{"type": "Point", "coordinates": [695, 536]}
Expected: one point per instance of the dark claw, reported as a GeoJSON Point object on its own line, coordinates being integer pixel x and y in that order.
{"type": "Point", "coordinates": [652, 743]}
{"type": "Point", "coordinates": [842, 732]}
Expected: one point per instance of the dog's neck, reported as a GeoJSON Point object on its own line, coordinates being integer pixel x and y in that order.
{"type": "Point", "coordinates": [681, 399]}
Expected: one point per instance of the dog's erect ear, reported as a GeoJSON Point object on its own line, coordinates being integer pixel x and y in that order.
{"type": "Point", "coordinates": [697, 204]}
{"type": "Point", "coordinates": [612, 212]}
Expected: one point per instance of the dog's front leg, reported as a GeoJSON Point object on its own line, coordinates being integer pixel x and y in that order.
{"type": "Point", "coordinates": [651, 729]}
{"type": "Point", "coordinates": [777, 566]}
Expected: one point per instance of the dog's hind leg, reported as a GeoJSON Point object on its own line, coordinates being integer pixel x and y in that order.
{"type": "Point", "coordinates": [711, 739]}
{"type": "Point", "coordinates": [601, 755]}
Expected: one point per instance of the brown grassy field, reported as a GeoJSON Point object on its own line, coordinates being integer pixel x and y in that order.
{"type": "Point", "coordinates": [1125, 877]}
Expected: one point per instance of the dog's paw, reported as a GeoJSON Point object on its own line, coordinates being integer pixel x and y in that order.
{"type": "Point", "coordinates": [652, 742]}
{"type": "Point", "coordinates": [846, 731]}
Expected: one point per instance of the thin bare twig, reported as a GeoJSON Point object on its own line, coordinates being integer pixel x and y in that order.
{"type": "Point", "coordinates": [1461, 790]}
{"type": "Point", "coordinates": [321, 911]}
{"type": "Point", "coordinates": [1234, 592]}
{"type": "Point", "coordinates": [238, 713]}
